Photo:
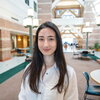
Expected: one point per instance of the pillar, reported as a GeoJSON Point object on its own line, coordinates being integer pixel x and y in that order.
{"type": "Point", "coordinates": [44, 9]}
{"type": "Point", "coordinates": [5, 45]}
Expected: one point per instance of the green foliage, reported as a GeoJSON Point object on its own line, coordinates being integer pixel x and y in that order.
{"type": "Point", "coordinates": [91, 47]}
{"type": "Point", "coordinates": [96, 45]}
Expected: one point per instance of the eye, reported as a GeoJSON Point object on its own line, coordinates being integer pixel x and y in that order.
{"type": "Point", "coordinates": [40, 39]}
{"type": "Point", "coordinates": [51, 39]}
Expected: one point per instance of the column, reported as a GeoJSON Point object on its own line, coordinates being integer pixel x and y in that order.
{"type": "Point", "coordinates": [5, 45]}
{"type": "Point", "coordinates": [89, 16]}
{"type": "Point", "coordinates": [44, 9]}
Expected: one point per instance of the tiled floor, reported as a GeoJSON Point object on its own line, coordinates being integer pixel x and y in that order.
{"type": "Point", "coordinates": [6, 65]}
{"type": "Point", "coordinates": [97, 54]}
{"type": "Point", "coordinates": [9, 90]}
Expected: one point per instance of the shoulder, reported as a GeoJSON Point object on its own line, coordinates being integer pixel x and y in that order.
{"type": "Point", "coordinates": [27, 67]}
{"type": "Point", "coordinates": [71, 71]}
{"type": "Point", "coordinates": [26, 75]}
{"type": "Point", "coordinates": [70, 68]}
{"type": "Point", "coordinates": [71, 75]}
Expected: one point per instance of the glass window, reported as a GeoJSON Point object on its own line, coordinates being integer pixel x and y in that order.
{"type": "Point", "coordinates": [97, 7]}
{"type": "Point", "coordinates": [69, 13]}
{"type": "Point", "coordinates": [35, 7]}
{"type": "Point", "coordinates": [27, 2]}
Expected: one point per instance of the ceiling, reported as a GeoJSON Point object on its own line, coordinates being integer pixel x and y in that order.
{"type": "Point", "coordinates": [68, 15]}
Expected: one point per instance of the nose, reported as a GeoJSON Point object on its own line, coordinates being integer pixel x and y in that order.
{"type": "Point", "coordinates": [46, 43]}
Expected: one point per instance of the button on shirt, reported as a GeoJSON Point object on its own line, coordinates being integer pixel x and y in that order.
{"type": "Point", "coordinates": [49, 80]}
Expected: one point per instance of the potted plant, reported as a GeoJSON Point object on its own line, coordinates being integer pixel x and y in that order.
{"type": "Point", "coordinates": [97, 46]}
{"type": "Point", "coordinates": [91, 48]}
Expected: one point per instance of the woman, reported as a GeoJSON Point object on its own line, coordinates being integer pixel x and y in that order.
{"type": "Point", "coordinates": [48, 77]}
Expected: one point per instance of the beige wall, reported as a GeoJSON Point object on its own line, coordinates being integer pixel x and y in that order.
{"type": "Point", "coordinates": [44, 7]}
{"type": "Point", "coordinates": [89, 16]}
{"type": "Point", "coordinates": [6, 28]}
{"type": "Point", "coordinates": [5, 45]}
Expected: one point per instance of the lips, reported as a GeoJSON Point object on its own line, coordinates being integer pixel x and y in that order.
{"type": "Point", "coordinates": [46, 50]}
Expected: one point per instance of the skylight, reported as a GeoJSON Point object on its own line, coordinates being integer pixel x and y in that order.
{"type": "Point", "coordinates": [66, 3]}
{"type": "Point", "coordinates": [97, 6]}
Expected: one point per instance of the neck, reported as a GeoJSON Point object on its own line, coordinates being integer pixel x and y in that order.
{"type": "Point", "coordinates": [49, 61]}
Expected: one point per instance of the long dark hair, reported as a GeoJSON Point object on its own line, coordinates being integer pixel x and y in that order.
{"type": "Point", "coordinates": [34, 69]}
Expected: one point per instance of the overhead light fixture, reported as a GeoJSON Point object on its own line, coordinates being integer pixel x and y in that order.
{"type": "Point", "coordinates": [31, 23]}
{"type": "Point", "coordinates": [87, 30]}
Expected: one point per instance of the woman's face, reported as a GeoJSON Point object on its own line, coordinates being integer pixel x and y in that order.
{"type": "Point", "coordinates": [47, 41]}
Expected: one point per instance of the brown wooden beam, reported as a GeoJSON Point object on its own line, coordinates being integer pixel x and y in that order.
{"type": "Point", "coordinates": [68, 7]}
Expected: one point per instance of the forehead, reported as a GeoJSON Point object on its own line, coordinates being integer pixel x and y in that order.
{"type": "Point", "coordinates": [46, 32]}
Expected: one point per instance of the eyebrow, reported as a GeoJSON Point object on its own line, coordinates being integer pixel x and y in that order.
{"type": "Point", "coordinates": [47, 36]}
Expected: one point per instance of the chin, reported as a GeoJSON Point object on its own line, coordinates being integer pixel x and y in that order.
{"type": "Point", "coordinates": [47, 54]}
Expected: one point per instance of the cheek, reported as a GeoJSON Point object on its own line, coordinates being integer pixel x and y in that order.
{"type": "Point", "coordinates": [39, 45]}
{"type": "Point", "coordinates": [55, 43]}
{"type": "Point", "coordinates": [55, 46]}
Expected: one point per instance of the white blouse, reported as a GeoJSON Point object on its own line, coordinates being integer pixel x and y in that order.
{"type": "Point", "coordinates": [46, 84]}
